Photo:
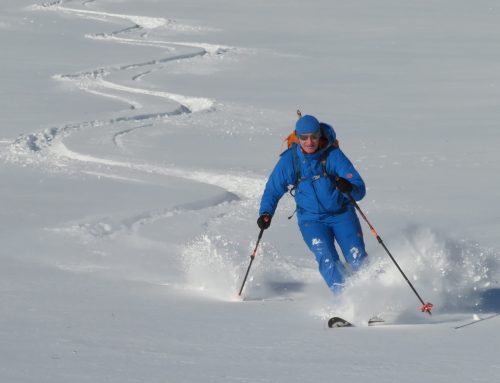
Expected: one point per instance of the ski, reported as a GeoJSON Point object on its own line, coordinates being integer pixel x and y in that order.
{"type": "Point", "coordinates": [375, 321]}
{"type": "Point", "coordinates": [341, 322]}
{"type": "Point", "coordinates": [338, 322]}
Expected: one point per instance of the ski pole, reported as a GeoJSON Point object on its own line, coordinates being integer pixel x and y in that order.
{"type": "Point", "coordinates": [426, 307]}
{"type": "Point", "coordinates": [252, 256]}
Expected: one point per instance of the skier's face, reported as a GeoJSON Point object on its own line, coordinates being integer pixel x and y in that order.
{"type": "Point", "coordinates": [309, 143]}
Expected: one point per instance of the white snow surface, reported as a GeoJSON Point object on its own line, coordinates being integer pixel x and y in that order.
{"type": "Point", "coordinates": [135, 141]}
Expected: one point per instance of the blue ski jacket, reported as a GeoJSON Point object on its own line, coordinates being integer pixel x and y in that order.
{"type": "Point", "coordinates": [316, 195]}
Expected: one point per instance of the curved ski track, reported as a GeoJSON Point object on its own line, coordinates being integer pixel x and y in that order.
{"type": "Point", "coordinates": [47, 146]}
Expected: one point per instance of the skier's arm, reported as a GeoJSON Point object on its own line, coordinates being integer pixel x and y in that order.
{"type": "Point", "coordinates": [342, 167]}
{"type": "Point", "coordinates": [277, 184]}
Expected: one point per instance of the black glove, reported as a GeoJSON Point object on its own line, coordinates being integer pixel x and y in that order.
{"type": "Point", "coordinates": [264, 221]}
{"type": "Point", "coordinates": [343, 185]}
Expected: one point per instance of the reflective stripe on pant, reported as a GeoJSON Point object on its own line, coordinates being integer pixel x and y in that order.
{"type": "Point", "coordinates": [320, 236]}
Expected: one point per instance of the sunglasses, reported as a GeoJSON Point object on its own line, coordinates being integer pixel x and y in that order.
{"type": "Point", "coordinates": [312, 136]}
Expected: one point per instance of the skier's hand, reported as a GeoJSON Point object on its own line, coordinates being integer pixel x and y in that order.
{"type": "Point", "coordinates": [343, 185]}
{"type": "Point", "coordinates": [264, 221]}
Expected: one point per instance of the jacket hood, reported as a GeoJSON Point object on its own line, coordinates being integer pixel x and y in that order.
{"type": "Point", "coordinates": [328, 133]}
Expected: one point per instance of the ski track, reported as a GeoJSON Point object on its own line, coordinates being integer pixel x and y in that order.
{"type": "Point", "coordinates": [246, 187]}
{"type": "Point", "coordinates": [47, 147]}
{"type": "Point", "coordinates": [117, 136]}
{"type": "Point", "coordinates": [94, 82]}
{"type": "Point", "coordinates": [109, 226]}
{"type": "Point", "coordinates": [143, 21]}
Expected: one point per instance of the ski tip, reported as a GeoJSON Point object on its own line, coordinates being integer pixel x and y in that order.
{"type": "Point", "coordinates": [335, 322]}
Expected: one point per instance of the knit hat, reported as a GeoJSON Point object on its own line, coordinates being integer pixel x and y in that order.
{"type": "Point", "coordinates": [307, 124]}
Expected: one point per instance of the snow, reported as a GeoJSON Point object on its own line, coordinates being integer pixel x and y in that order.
{"type": "Point", "coordinates": [135, 142]}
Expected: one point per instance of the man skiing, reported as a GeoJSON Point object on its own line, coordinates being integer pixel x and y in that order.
{"type": "Point", "coordinates": [322, 177]}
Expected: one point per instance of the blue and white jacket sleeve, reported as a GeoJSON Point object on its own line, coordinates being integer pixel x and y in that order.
{"type": "Point", "coordinates": [277, 184]}
{"type": "Point", "coordinates": [339, 165]}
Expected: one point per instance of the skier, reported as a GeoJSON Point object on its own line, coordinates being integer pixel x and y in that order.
{"type": "Point", "coordinates": [321, 176]}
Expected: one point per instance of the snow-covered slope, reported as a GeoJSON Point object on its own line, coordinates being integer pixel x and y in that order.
{"type": "Point", "coordinates": [135, 141]}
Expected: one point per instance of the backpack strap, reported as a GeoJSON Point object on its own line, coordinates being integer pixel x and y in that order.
{"type": "Point", "coordinates": [323, 158]}
{"type": "Point", "coordinates": [296, 169]}
{"type": "Point", "coordinates": [296, 165]}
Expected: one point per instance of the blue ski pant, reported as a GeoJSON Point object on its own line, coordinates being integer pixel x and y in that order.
{"type": "Point", "coordinates": [320, 237]}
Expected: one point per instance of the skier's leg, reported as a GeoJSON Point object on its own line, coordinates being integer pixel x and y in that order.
{"type": "Point", "coordinates": [320, 240]}
{"type": "Point", "coordinates": [349, 236]}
